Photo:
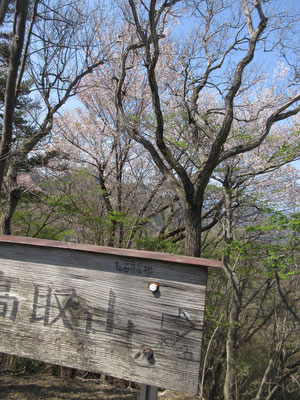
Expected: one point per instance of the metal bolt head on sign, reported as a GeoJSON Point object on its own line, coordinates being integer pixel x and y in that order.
{"type": "Point", "coordinates": [153, 286]}
{"type": "Point", "coordinates": [74, 305]}
{"type": "Point", "coordinates": [149, 354]}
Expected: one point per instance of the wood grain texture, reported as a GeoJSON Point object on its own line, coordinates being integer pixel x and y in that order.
{"type": "Point", "coordinates": [94, 311]}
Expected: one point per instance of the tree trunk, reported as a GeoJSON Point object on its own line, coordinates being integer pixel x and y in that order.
{"type": "Point", "coordinates": [11, 82]}
{"type": "Point", "coordinates": [13, 199]}
{"type": "Point", "coordinates": [231, 344]}
{"type": "Point", "coordinates": [3, 9]}
{"type": "Point", "coordinates": [267, 378]}
{"type": "Point", "coordinates": [193, 228]}
{"type": "Point", "coordinates": [13, 195]}
{"type": "Point", "coordinates": [235, 295]}
{"type": "Point", "coordinates": [216, 379]}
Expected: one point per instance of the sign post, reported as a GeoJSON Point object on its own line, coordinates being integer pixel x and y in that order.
{"type": "Point", "coordinates": [130, 314]}
{"type": "Point", "coordinates": [148, 392]}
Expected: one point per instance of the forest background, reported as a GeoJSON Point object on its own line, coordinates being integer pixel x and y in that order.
{"type": "Point", "coordinates": [167, 126]}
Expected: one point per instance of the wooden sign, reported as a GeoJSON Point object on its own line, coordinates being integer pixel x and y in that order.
{"type": "Point", "coordinates": [130, 314]}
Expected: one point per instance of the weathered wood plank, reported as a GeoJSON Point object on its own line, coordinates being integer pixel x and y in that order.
{"type": "Point", "coordinates": [94, 311]}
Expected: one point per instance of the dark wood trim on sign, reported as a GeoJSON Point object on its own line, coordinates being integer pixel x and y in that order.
{"type": "Point", "coordinates": [149, 255]}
